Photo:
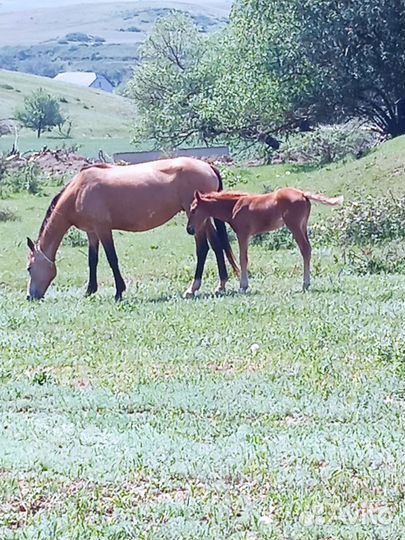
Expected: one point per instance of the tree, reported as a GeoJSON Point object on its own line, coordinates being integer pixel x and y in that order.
{"type": "Point", "coordinates": [172, 84]}
{"type": "Point", "coordinates": [278, 67]}
{"type": "Point", "coordinates": [41, 112]}
{"type": "Point", "coordinates": [357, 49]}
{"type": "Point", "coordinates": [336, 59]}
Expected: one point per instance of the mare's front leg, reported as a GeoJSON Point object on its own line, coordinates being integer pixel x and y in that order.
{"type": "Point", "coordinates": [215, 242]}
{"type": "Point", "coordinates": [106, 239]}
{"type": "Point", "coordinates": [201, 251]}
{"type": "Point", "coordinates": [93, 261]}
{"type": "Point", "coordinates": [243, 259]}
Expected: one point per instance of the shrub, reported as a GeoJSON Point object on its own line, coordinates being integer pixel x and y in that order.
{"type": "Point", "coordinates": [29, 177]}
{"type": "Point", "coordinates": [75, 238]}
{"type": "Point", "coordinates": [326, 145]}
{"type": "Point", "coordinates": [78, 36]}
{"type": "Point", "coordinates": [387, 260]}
{"type": "Point", "coordinates": [281, 239]}
{"type": "Point", "coordinates": [231, 178]}
{"type": "Point", "coordinates": [369, 220]}
{"type": "Point", "coordinates": [7, 214]}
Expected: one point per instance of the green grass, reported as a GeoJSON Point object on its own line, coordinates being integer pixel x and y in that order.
{"type": "Point", "coordinates": [274, 414]}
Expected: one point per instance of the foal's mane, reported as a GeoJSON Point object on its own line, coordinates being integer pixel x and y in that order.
{"type": "Point", "coordinates": [223, 195]}
{"type": "Point", "coordinates": [50, 210]}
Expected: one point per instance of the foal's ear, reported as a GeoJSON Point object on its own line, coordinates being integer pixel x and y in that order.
{"type": "Point", "coordinates": [197, 195]}
{"type": "Point", "coordinates": [30, 244]}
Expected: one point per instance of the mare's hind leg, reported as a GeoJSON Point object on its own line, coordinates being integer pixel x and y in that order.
{"type": "Point", "coordinates": [219, 255]}
{"type": "Point", "coordinates": [106, 239]}
{"type": "Point", "coordinates": [93, 261]}
{"type": "Point", "coordinates": [299, 231]}
{"type": "Point", "coordinates": [201, 250]}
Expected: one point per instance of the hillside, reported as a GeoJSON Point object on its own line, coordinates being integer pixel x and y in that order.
{"type": "Point", "coordinates": [95, 115]}
{"type": "Point", "coordinates": [380, 172]}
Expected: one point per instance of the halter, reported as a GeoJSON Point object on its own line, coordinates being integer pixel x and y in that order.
{"type": "Point", "coordinates": [45, 256]}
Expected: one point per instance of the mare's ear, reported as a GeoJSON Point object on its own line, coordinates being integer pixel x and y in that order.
{"type": "Point", "coordinates": [197, 195]}
{"type": "Point", "coordinates": [30, 244]}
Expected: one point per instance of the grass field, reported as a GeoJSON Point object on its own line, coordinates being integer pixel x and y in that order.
{"type": "Point", "coordinates": [271, 415]}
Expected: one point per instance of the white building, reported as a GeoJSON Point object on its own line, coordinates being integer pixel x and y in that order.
{"type": "Point", "coordinates": [86, 78]}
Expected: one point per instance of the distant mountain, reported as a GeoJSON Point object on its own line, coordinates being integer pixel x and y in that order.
{"type": "Point", "coordinates": [103, 37]}
{"type": "Point", "coordinates": [109, 20]}
{"type": "Point", "coordinates": [26, 5]}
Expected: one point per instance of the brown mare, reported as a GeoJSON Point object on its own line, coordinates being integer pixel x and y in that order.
{"type": "Point", "coordinates": [249, 214]}
{"type": "Point", "coordinates": [130, 198]}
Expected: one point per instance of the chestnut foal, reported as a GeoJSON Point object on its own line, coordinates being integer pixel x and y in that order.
{"type": "Point", "coordinates": [250, 214]}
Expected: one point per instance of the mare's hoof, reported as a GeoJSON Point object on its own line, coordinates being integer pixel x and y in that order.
{"type": "Point", "coordinates": [188, 295]}
{"type": "Point", "coordinates": [89, 292]}
{"type": "Point", "coordinates": [118, 297]}
{"type": "Point", "coordinates": [243, 291]}
{"type": "Point", "coordinates": [305, 287]}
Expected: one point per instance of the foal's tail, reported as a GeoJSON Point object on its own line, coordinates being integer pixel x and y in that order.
{"type": "Point", "coordinates": [323, 199]}
{"type": "Point", "coordinates": [222, 233]}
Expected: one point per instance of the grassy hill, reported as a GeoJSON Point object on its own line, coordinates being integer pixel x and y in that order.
{"type": "Point", "coordinates": [98, 118]}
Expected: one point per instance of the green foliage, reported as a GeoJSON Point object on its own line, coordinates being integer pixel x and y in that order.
{"type": "Point", "coordinates": [325, 145]}
{"type": "Point", "coordinates": [390, 259]}
{"type": "Point", "coordinates": [75, 238]}
{"type": "Point", "coordinates": [7, 214]}
{"type": "Point", "coordinates": [357, 51]}
{"type": "Point", "coordinates": [29, 178]}
{"type": "Point", "coordinates": [41, 112]}
{"type": "Point", "coordinates": [233, 178]}
{"type": "Point", "coordinates": [368, 220]}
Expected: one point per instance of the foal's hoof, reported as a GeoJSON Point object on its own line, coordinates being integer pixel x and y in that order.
{"type": "Point", "coordinates": [219, 291]}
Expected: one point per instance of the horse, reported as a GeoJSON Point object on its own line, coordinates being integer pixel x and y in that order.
{"type": "Point", "coordinates": [103, 197]}
{"type": "Point", "coordinates": [250, 214]}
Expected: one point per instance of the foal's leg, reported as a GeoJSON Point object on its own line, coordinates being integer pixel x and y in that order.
{"type": "Point", "coordinates": [219, 255]}
{"type": "Point", "coordinates": [106, 239]}
{"type": "Point", "coordinates": [243, 259]}
{"type": "Point", "coordinates": [93, 261]}
{"type": "Point", "coordinates": [301, 237]}
{"type": "Point", "coordinates": [201, 250]}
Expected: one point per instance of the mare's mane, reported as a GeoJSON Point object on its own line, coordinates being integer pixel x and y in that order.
{"type": "Point", "coordinates": [55, 200]}
{"type": "Point", "coordinates": [51, 208]}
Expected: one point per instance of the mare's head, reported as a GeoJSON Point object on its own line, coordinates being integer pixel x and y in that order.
{"type": "Point", "coordinates": [198, 214]}
{"type": "Point", "coordinates": [41, 270]}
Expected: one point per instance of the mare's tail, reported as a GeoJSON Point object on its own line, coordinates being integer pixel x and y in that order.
{"type": "Point", "coordinates": [221, 231]}
{"type": "Point", "coordinates": [323, 199]}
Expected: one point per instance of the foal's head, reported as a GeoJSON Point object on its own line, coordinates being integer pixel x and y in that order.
{"type": "Point", "coordinates": [198, 214]}
{"type": "Point", "coordinates": [41, 269]}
